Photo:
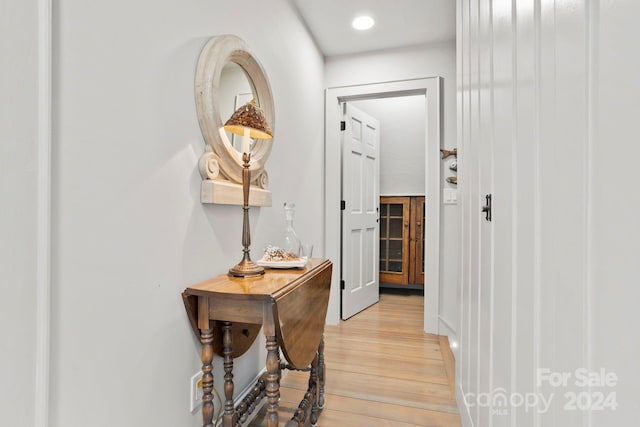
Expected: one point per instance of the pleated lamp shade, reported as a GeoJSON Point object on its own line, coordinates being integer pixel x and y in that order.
{"type": "Point", "coordinates": [249, 116]}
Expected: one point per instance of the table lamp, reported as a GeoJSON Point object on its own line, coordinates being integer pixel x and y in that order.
{"type": "Point", "coordinates": [250, 122]}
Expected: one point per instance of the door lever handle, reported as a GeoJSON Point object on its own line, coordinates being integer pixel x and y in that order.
{"type": "Point", "coordinates": [486, 209]}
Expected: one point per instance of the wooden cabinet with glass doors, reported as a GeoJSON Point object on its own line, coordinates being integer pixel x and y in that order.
{"type": "Point", "coordinates": [402, 240]}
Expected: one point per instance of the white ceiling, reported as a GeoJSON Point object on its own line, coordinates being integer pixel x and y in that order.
{"type": "Point", "coordinates": [399, 23]}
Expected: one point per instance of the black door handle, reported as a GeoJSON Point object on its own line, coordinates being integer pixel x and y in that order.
{"type": "Point", "coordinates": [486, 209]}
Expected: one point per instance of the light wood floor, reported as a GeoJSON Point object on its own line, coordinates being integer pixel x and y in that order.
{"type": "Point", "coordinates": [382, 370]}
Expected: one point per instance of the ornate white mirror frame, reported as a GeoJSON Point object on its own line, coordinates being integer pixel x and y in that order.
{"type": "Point", "coordinates": [221, 164]}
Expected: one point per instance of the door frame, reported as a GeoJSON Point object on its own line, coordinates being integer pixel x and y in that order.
{"type": "Point", "coordinates": [431, 88]}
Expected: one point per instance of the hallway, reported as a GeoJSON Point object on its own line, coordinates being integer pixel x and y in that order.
{"type": "Point", "coordinates": [382, 370]}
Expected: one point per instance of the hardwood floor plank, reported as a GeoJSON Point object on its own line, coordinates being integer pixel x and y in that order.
{"type": "Point", "coordinates": [415, 354]}
{"type": "Point", "coordinates": [415, 394]}
{"type": "Point", "coordinates": [433, 369]}
{"type": "Point", "coordinates": [374, 387]}
{"type": "Point", "coordinates": [403, 414]}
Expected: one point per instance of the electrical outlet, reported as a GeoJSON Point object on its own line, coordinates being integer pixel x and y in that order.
{"type": "Point", "coordinates": [196, 392]}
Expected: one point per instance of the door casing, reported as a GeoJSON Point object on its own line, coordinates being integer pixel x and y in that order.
{"type": "Point", "coordinates": [431, 88]}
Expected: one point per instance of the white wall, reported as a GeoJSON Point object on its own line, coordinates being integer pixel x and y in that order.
{"type": "Point", "coordinates": [548, 103]}
{"type": "Point", "coordinates": [130, 232]}
{"type": "Point", "coordinates": [18, 210]}
{"type": "Point", "coordinates": [402, 149]}
{"type": "Point", "coordinates": [410, 63]}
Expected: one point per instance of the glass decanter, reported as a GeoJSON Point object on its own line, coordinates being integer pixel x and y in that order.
{"type": "Point", "coordinates": [290, 241]}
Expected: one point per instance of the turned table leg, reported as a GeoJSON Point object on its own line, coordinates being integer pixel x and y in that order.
{"type": "Point", "coordinates": [314, 386]}
{"type": "Point", "coordinates": [273, 381]}
{"type": "Point", "coordinates": [321, 372]}
{"type": "Point", "coordinates": [229, 418]}
{"type": "Point", "coordinates": [206, 338]}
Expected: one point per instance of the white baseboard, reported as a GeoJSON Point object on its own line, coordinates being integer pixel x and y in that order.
{"type": "Point", "coordinates": [445, 327]}
{"type": "Point", "coordinates": [465, 416]}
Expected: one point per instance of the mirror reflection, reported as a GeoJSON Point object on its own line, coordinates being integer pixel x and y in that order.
{"type": "Point", "coordinates": [235, 90]}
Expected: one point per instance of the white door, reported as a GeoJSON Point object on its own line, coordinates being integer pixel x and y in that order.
{"type": "Point", "coordinates": [361, 196]}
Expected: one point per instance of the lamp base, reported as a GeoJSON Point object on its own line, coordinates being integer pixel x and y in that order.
{"type": "Point", "coordinates": [246, 268]}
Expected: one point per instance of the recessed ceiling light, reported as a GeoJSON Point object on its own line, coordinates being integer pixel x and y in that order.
{"type": "Point", "coordinates": [363, 23]}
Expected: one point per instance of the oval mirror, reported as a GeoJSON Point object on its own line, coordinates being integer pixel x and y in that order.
{"type": "Point", "coordinates": [227, 76]}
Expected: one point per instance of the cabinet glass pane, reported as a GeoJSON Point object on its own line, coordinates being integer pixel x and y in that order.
{"type": "Point", "coordinates": [395, 266]}
{"type": "Point", "coordinates": [395, 227]}
{"type": "Point", "coordinates": [383, 227]}
{"type": "Point", "coordinates": [395, 250]}
{"type": "Point", "coordinates": [395, 209]}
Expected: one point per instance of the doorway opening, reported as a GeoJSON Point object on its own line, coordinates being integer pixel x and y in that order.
{"type": "Point", "coordinates": [430, 88]}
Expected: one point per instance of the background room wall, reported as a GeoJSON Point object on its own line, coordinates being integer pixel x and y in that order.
{"type": "Point", "coordinates": [402, 149]}
{"type": "Point", "coordinates": [437, 59]}
{"type": "Point", "coordinates": [129, 231]}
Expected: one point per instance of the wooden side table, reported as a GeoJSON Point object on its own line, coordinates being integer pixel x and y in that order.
{"type": "Point", "coordinates": [290, 305]}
